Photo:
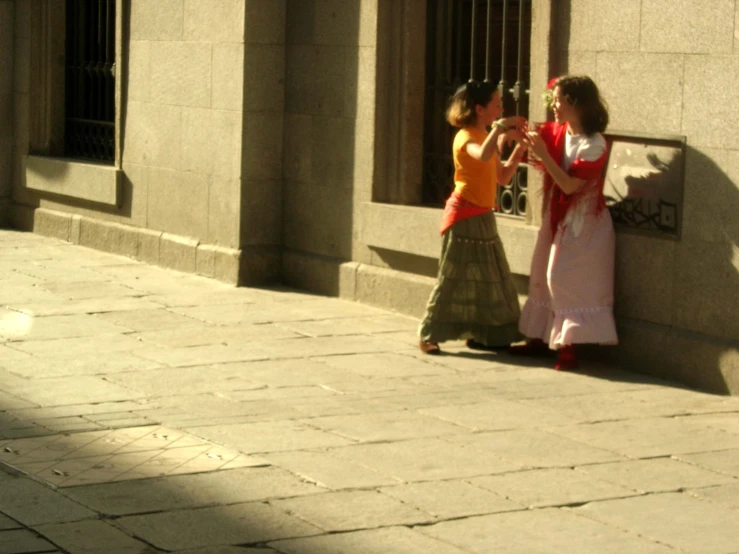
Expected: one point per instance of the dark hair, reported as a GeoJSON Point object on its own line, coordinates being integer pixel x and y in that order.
{"type": "Point", "coordinates": [461, 111]}
{"type": "Point", "coordinates": [583, 94]}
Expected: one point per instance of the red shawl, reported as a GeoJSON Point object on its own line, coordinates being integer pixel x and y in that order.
{"type": "Point", "coordinates": [553, 135]}
{"type": "Point", "coordinates": [456, 209]}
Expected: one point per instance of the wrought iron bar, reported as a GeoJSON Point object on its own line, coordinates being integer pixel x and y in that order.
{"type": "Point", "coordinates": [90, 113]}
{"type": "Point", "coordinates": [488, 41]}
{"type": "Point", "coordinates": [472, 42]}
{"type": "Point", "coordinates": [502, 84]}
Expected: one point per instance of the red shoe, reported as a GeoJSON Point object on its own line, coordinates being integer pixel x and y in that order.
{"type": "Point", "coordinates": [533, 347]}
{"type": "Point", "coordinates": [566, 359]}
{"type": "Point", "coordinates": [428, 347]}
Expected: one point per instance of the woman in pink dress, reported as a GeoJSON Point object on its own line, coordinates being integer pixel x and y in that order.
{"type": "Point", "coordinates": [571, 281]}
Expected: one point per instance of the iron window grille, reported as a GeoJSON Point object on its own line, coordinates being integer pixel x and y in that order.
{"type": "Point", "coordinates": [482, 40]}
{"type": "Point", "coordinates": [90, 80]}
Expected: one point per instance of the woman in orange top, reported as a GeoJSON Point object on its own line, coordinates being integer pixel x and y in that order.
{"type": "Point", "coordinates": [474, 297]}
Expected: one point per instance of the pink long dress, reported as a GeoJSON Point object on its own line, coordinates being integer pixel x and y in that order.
{"type": "Point", "coordinates": [571, 282]}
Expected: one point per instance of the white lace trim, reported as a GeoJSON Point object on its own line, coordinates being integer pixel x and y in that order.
{"type": "Point", "coordinates": [585, 310]}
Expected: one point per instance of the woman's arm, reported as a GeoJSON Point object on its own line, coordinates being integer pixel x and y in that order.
{"type": "Point", "coordinates": [507, 171]}
{"type": "Point", "coordinates": [483, 152]}
{"type": "Point", "coordinates": [566, 182]}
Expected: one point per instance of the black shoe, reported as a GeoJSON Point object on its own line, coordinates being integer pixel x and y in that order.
{"type": "Point", "coordinates": [472, 344]}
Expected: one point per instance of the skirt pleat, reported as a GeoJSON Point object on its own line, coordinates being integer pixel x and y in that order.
{"type": "Point", "coordinates": [474, 297]}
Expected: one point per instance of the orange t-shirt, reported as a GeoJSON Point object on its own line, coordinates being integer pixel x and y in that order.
{"type": "Point", "coordinates": [476, 181]}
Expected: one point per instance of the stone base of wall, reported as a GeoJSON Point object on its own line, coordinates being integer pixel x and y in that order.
{"type": "Point", "coordinates": [693, 359]}
{"type": "Point", "coordinates": [252, 266]}
{"type": "Point", "coordinates": [5, 212]}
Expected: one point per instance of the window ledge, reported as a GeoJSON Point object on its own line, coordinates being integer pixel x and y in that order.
{"type": "Point", "coordinates": [94, 182]}
{"type": "Point", "coordinates": [415, 230]}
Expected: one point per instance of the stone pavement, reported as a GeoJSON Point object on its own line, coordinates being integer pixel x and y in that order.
{"type": "Point", "coordinates": [143, 410]}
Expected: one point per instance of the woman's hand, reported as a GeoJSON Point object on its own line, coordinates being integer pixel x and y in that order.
{"type": "Point", "coordinates": [518, 122]}
{"type": "Point", "coordinates": [536, 144]}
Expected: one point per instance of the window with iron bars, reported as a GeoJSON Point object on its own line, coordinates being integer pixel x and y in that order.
{"type": "Point", "coordinates": [90, 80]}
{"type": "Point", "coordinates": [482, 40]}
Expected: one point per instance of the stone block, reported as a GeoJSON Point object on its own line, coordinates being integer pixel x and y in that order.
{"type": "Point", "coordinates": [265, 21]}
{"type": "Point", "coordinates": [227, 144]}
{"type": "Point", "coordinates": [7, 35]}
{"type": "Point", "coordinates": [326, 229]}
{"type": "Point", "coordinates": [299, 144]}
{"type": "Point", "coordinates": [333, 157]}
{"type": "Point", "coordinates": [687, 26]}
{"type": "Point", "coordinates": [153, 135]}
{"type": "Point", "coordinates": [336, 22]}
{"type": "Point", "coordinates": [157, 20]}
{"type": "Point", "coordinates": [21, 217]}
{"type": "Point", "coordinates": [22, 65]}
{"type": "Point", "coordinates": [109, 237]}
{"type": "Point", "coordinates": [178, 252]}
{"type": "Point", "coordinates": [361, 76]}
{"type": "Point", "coordinates": [645, 278]}
{"type": "Point", "coordinates": [261, 212]}
{"type": "Point", "coordinates": [709, 101]}
{"type": "Point", "coordinates": [711, 196]}
{"type": "Point", "coordinates": [148, 248]}
{"type": "Point", "coordinates": [600, 25]}
{"type": "Point", "coordinates": [198, 148]}
{"type": "Point", "coordinates": [228, 77]}
{"type": "Point", "coordinates": [139, 74]}
{"type": "Point", "coordinates": [393, 290]}
{"type": "Point", "coordinates": [706, 281]}
{"type": "Point", "coordinates": [205, 260]}
{"type": "Point", "coordinates": [227, 264]}
{"type": "Point", "coordinates": [95, 182]}
{"type": "Point", "coordinates": [21, 122]}
{"type": "Point", "coordinates": [183, 73]}
{"type": "Point", "coordinates": [315, 80]}
{"type": "Point", "coordinates": [22, 19]}
{"type": "Point", "coordinates": [211, 142]}
{"type": "Point", "coordinates": [75, 229]}
{"type": "Point", "coordinates": [367, 24]}
{"type": "Point", "coordinates": [259, 265]}
{"type": "Point", "coordinates": [578, 63]}
{"type": "Point", "coordinates": [264, 67]}
{"type": "Point", "coordinates": [51, 223]}
{"type": "Point", "coordinates": [650, 76]}
{"type": "Point", "coordinates": [178, 202]}
{"type": "Point", "coordinates": [262, 146]}
{"type": "Point", "coordinates": [318, 274]}
{"type": "Point", "coordinates": [214, 20]}
{"type": "Point", "coordinates": [224, 217]}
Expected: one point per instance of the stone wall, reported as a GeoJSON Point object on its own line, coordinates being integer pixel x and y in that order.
{"type": "Point", "coordinates": [7, 13]}
{"type": "Point", "coordinates": [675, 70]}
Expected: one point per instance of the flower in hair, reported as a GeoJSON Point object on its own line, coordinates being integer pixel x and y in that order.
{"type": "Point", "coordinates": [548, 96]}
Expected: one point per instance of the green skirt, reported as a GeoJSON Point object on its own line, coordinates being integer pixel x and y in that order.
{"type": "Point", "coordinates": [474, 297]}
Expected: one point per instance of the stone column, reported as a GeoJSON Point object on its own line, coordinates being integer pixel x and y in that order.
{"type": "Point", "coordinates": [7, 20]}
{"type": "Point", "coordinates": [262, 140]}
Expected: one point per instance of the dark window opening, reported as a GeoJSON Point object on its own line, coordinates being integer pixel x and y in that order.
{"type": "Point", "coordinates": [90, 80]}
{"type": "Point", "coordinates": [490, 43]}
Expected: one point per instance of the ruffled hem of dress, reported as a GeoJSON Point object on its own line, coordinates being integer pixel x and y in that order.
{"type": "Point", "coordinates": [536, 320]}
{"type": "Point", "coordinates": [583, 326]}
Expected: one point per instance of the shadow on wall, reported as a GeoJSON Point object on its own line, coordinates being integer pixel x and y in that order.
{"type": "Point", "coordinates": [325, 130]}
{"type": "Point", "coordinates": [688, 288]}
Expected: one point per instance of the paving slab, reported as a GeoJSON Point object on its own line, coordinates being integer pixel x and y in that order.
{"type": "Point", "coordinates": [674, 519]}
{"type": "Point", "coordinates": [190, 491]}
{"type": "Point", "coordinates": [33, 503]}
{"type": "Point", "coordinates": [656, 475]}
{"type": "Point", "coordinates": [187, 415]}
{"type": "Point", "coordinates": [352, 510]}
{"type": "Point", "coordinates": [542, 531]}
{"type": "Point", "coordinates": [451, 499]}
{"type": "Point", "coordinates": [551, 487]}
{"type": "Point", "coordinates": [94, 537]}
{"type": "Point", "coordinates": [24, 541]}
{"type": "Point", "coordinates": [398, 540]}
{"type": "Point", "coordinates": [224, 525]}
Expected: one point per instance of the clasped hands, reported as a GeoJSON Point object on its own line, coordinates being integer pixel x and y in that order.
{"type": "Point", "coordinates": [519, 132]}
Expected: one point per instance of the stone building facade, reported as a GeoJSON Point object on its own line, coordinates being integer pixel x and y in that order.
{"type": "Point", "coordinates": [282, 140]}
